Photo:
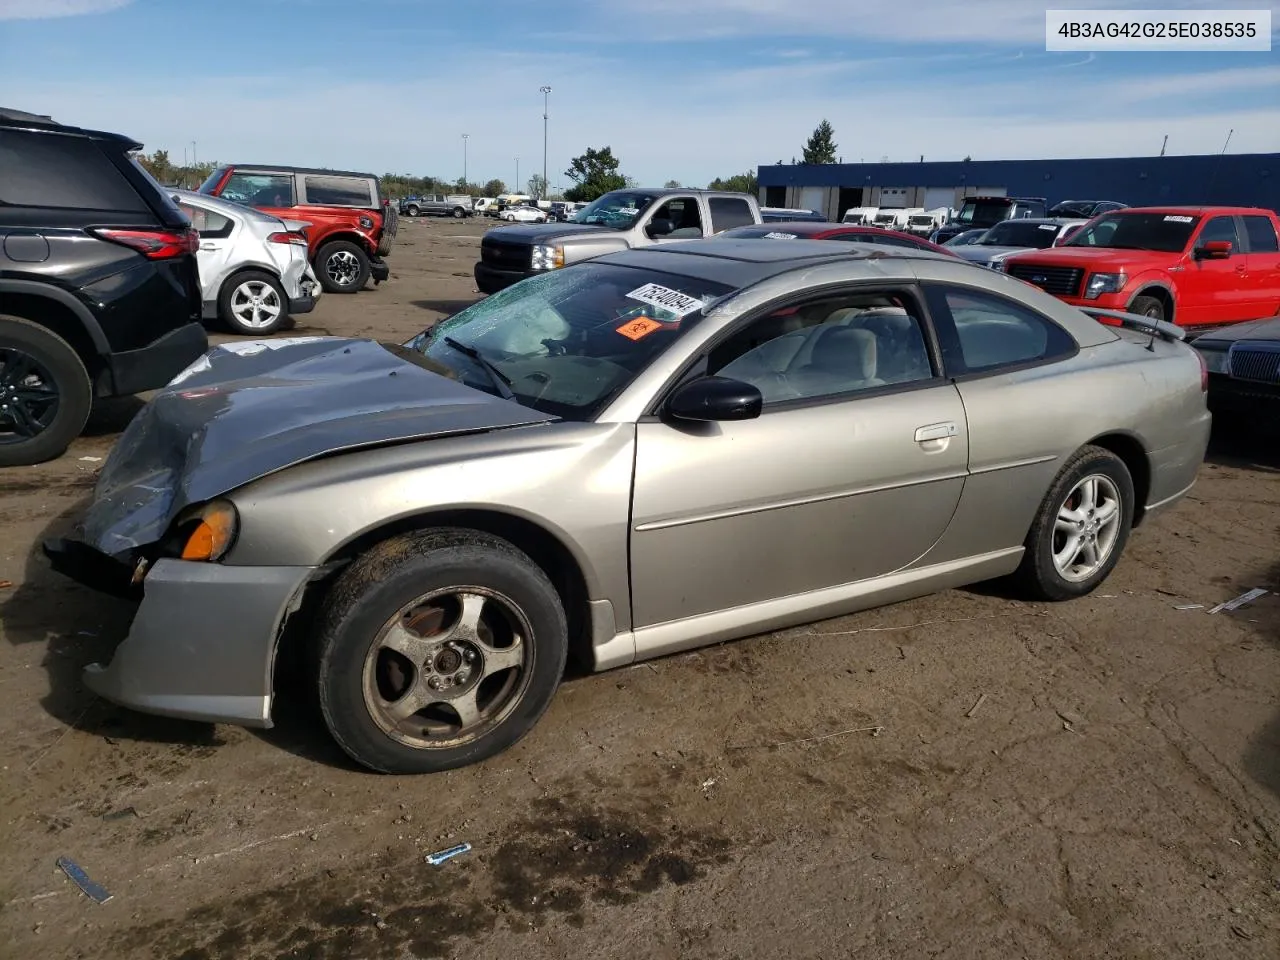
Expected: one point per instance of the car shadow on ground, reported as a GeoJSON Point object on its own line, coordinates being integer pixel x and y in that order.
{"type": "Point", "coordinates": [446, 307]}
{"type": "Point", "coordinates": [1262, 755]}
{"type": "Point", "coordinates": [78, 626]}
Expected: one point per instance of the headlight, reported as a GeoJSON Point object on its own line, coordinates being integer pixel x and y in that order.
{"type": "Point", "coordinates": [366, 222]}
{"type": "Point", "coordinates": [1216, 361]}
{"type": "Point", "coordinates": [1100, 283]}
{"type": "Point", "coordinates": [208, 531]}
{"type": "Point", "coordinates": [548, 258]}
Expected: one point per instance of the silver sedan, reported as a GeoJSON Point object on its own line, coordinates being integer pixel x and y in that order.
{"type": "Point", "coordinates": [629, 457]}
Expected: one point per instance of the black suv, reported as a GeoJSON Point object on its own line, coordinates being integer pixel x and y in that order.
{"type": "Point", "coordinates": [987, 212]}
{"type": "Point", "coordinates": [99, 289]}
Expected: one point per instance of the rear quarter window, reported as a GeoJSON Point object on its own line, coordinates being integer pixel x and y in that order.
{"type": "Point", "coordinates": [987, 333]}
{"type": "Point", "coordinates": [1262, 234]}
{"type": "Point", "coordinates": [63, 172]}
{"type": "Point", "coordinates": [729, 212]}
{"type": "Point", "coordinates": [341, 191]}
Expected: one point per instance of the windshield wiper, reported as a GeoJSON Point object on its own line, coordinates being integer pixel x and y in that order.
{"type": "Point", "coordinates": [501, 382]}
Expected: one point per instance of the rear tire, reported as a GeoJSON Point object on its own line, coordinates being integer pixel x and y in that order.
{"type": "Point", "coordinates": [1147, 307]}
{"type": "Point", "coordinates": [342, 267]}
{"type": "Point", "coordinates": [241, 315]}
{"type": "Point", "coordinates": [458, 213]}
{"type": "Point", "coordinates": [45, 393]}
{"type": "Point", "coordinates": [395, 637]}
{"type": "Point", "coordinates": [1058, 563]}
{"type": "Point", "coordinates": [412, 210]}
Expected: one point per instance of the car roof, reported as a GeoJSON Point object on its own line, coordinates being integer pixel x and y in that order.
{"type": "Point", "coordinates": [739, 262]}
{"type": "Point", "coordinates": [999, 196]}
{"type": "Point", "coordinates": [1200, 209]}
{"type": "Point", "coordinates": [805, 227]}
{"type": "Point", "coordinates": [285, 168]}
{"type": "Point", "coordinates": [9, 117]}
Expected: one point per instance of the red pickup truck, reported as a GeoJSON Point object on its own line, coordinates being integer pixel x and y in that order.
{"type": "Point", "coordinates": [1193, 266]}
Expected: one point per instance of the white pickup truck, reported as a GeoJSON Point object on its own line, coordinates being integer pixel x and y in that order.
{"type": "Point", "coordinates": [619, 220]}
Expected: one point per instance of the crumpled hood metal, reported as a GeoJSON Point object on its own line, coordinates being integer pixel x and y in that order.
{"type": "Point", "coordinates": [250, 408]}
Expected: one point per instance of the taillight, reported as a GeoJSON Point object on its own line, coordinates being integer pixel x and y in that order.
{"type": "Point", "coordinates": [154, 244]}
{"type": "Point", "coordinates": [1204, 371]}
{"type": "Point", "coordinates": [288, 236]}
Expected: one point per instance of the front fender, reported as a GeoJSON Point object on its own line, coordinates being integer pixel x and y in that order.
{"type": "Point", "coordinates": [1148, 279]}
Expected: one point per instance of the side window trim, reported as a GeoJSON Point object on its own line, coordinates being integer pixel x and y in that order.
{"type": "Point", "coordinates": [697, 365]}
{"type": "Point", "coordinates": [1269, 231]}
{"type": "Point", "coordinates": [944, 327]}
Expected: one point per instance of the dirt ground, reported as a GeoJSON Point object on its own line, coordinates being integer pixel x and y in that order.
{"type": "Point", "coordinates": [966, 775]}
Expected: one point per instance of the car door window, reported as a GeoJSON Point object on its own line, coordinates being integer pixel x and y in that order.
{"type": "Point", "coordinates": [836, 346]}
{"type": "Point", "coordinates": [1262, 234]}
{"type": "Point", "coordinates": [208, 223]}
{"type": "Point", "coordinates": [681, 215]}
{"type": "Point", "coordinates": [728, 212]}
{"type": "Point", "coordinates": [339, 191]}
{"type": "Point", "coordinates": [983, 332]}
{"type": "Point", "coordinates": [1220, 228]}
{"type": "Point", "coordinates": [260, 189]}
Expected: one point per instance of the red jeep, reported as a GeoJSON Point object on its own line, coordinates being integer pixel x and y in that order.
{"type": "Point", "coordinates": [350, 226]}
{"type": "Point", "coordinates": [1193, 266]}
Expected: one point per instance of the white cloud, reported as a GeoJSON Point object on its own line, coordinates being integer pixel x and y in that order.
{"type": "Point", "coordinates": [48, 9]}
{"type": "Point", "coordinates": [993, 22]}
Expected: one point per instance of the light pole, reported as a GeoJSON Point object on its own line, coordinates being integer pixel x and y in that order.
{"type": "Point", "coordinates": [465, 137]}
{"type": "Point", "coordinates": [517, 187]}
{"type": "Point", "coordinates": [546, 102]}
{"type": "Point", "coordinates": [193, 153]}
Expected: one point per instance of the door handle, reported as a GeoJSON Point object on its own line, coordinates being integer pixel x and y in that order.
{"type": "Point", "coordinates": [935, 431]}
{"type": "Point", "coordinates": [208, 246]}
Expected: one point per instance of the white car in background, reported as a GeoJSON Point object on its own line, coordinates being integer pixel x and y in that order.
{"type": "Point", "coordinates": [524, 214]}
{"type": "Point", "coordinates": [254, 272]}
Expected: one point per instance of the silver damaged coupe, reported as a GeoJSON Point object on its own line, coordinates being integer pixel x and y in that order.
{"type": "Point", "coordinates": [636, 455]}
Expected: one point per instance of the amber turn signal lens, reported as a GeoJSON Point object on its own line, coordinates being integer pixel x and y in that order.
{"type": "Point", "coordinates": [213, 534]}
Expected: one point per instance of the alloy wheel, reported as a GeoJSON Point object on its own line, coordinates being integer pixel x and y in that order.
{"type": "Point", "coordinates": [256, 304]}
{"type": "Point", "coordinates": [448, 667]}
{"type": "Point", "coordinates": [29, 396]}
{"type": "Point", "coordinates": [342, 267]}
{"type": "Point", "coordinates": [1086, 528]}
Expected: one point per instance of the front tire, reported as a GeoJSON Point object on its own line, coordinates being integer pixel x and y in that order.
{"type": "Point", "coordinates": [1081, 528]}
{"type": "Point", "coordinates": [1147, 307]}
{"type": "Point", "coordinates": [437, 650]}
{"type": "Point", "coordinates": [45, 393]}
{"type": "Point", "coordinates": [412, 210]}
{"type": "Point", "coordinates": [342, 266]}
{"type": "Point", "coordinates": [253, 303]}
{"type": "Point", "coordinates": [458, 213]}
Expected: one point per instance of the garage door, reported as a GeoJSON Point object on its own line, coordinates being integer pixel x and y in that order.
{"type": "Point", "coordinates": [935, 197]}
{"type": "Point", "coordinates": [893, 198]}
{"type": "Point", "coordinates": [813, 198]}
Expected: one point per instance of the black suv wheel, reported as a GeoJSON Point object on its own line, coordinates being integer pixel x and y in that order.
{"type": "Point", "coordinates": [45, 393]}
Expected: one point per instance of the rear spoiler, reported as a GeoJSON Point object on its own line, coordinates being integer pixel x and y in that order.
{"type": "Point", "coordinates": [1136, 321]}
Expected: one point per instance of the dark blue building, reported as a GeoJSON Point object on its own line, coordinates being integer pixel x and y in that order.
{"type": "Point", "coordinates": [1242, 179]}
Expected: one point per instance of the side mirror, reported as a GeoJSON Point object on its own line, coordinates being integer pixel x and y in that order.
{"type": "Point", "coordinates": [715, 398]}
{"type": "Point", "coordinates": [1214, 250]}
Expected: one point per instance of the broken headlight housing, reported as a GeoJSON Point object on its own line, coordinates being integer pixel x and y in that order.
{"type": "Point", "coordinates": [547, 257]}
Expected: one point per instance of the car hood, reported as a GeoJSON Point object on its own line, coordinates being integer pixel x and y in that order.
{"type": "Point", "coordinates": [1253, 330]}
{"type": "Point", "coordinates": [1098, 258]}
{"type": "Point", "coordinates": [534, 233]}
{"type": "Point", "coordinates": [977, 253]}
{"type": "Point", "coordinates": [251, 408]}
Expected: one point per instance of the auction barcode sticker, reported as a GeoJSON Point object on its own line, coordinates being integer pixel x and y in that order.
{"type": "Point", "coordinates": [1189, 31]}
{"type": "Point", "coordinates": [672, 301]}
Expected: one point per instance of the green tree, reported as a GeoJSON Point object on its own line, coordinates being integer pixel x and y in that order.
{"type": "Point", "coordinates": [494, 187]}
{"type": "Point", "coordinates": [594, 173]}
{"type": "Point", "coordinates": [671, 185]}
{"type": "Point", "coordinates": [821, 147]}
{"type": "Point", "coordinates": [538, 187]}
{"type": "Point", "coordinates": [739, 183]}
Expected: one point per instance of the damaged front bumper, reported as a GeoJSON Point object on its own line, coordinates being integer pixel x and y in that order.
{"type": "Point", "coordinates": [202, 645]}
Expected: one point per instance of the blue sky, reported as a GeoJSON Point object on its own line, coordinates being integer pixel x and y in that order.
{"type": "Point", "coordinates": [683, 89]}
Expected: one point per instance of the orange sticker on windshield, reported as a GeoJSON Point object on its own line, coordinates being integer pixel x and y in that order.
{"type": "Point", "coordinates": [639, 327]}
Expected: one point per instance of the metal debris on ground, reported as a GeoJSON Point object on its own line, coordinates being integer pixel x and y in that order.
{"type": "Point", "coordinates": [1240, 601]}
{"type": "Point", "coordinates": [90, 459]}
{"type": "Point", "coordinates": [95, 891]}
{"type": "Point", "coordinates": [874, 731]}
{"type": "Point", "coordinates": [1189, 606]}
{"type": "Point", "coordinates": [4, 584]}
{"type": "Point", "coordinates": [435, 859]}
{"type": "Point", "coordinates": [121, 814]}
{"type": "Point", "coordinates": [976, 706]}
{"type": "Point", "coordinates": [708, 783]}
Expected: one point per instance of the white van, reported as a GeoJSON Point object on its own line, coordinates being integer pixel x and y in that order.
{"type": "Point", "coordinates": [860, 215]}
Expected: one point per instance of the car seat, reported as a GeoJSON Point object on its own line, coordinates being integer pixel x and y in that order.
{"type": "Point", "coordinates": [842, 359]}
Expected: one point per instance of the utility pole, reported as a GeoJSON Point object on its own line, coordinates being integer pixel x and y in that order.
{"type": "Point", "coordinates": [193, 153]}
{"type": "Point", "coordinates": [517, 189]}
{"type": "Point", "coordinates": [546, 113]}
{"type": "Point", "coordinates": [1165, 144]}
{"type": "Point", "coordinates": [465, 136]}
